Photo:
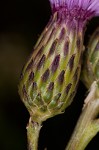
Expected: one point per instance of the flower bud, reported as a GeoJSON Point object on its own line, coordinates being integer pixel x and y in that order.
{"type": "Point", "coordinates": [50, 77]}
{"type": "Point", "coordinates": [90, 72]}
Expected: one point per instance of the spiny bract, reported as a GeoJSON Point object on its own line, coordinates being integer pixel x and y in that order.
{"type": "Point", "coordinates": [50, 77]}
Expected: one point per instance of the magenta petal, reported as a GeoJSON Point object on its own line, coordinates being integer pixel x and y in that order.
{"type": "Point", "coordinates": [89, 5]}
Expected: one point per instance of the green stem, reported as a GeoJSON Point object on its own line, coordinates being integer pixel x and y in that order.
{"type": "Point", "coordinates": [33, 130]}
{"type": "Point", "coordinates": [87, 126]}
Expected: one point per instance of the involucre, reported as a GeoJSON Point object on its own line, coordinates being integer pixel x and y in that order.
{"type": "Point", "coordinates": [50, 77]}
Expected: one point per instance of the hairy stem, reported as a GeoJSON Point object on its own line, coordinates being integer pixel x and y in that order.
{"type": "Point", "coordinates": [33, 130]}
{"type": "Point", "coordinates": [88, 125]}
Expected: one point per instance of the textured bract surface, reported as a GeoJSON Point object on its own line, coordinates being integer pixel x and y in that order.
{"type": "Point", "coordinates": [50, 77]}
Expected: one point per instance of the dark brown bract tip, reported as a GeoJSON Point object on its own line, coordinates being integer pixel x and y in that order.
{"type": "Point", "coordinates": [55, 63]}
{"type": "Point", "coordinates": [45, 75]}
{"type": "Point", "coordinates": [53, 47]}
{"type": "Point", "coordinates": [41, 62]}
{"type": "Point", "coordinates": [31, 76]}
{"type": "Point", "coordinates": [62, 34]}
{"type": "Point", "coordinates": [24, 92]}
{"type": "Point", "coordinates": [51, 86]}
{"type": "Point", "coordinates": [30, 65]}
{"type": "Point", "coordinates": [61, 77]}
{"type": "Point", "coordinates": [66, 47]}
{"type": "Point", "coordinates": [71, 61]}
{"type": "Point", "coordinates": [34, 85]}
{"type": "Point", "coordinates": [68, 87]}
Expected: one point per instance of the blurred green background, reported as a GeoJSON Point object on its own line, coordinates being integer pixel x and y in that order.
{"type": "Point", "coordinates": [21, 23]}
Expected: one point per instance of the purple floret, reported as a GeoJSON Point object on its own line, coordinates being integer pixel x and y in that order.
{"type": "Point", "coordinates": [91, 6]}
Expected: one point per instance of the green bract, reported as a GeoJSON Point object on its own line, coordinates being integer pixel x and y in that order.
{"type": "Point", "coordinates": [50, 77]}
{"type": "Point", "coordinates": [90, 71]}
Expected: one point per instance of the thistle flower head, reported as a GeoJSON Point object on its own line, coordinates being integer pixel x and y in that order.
{"type": "Point", "coordinates": [50, 77]}
{"type": "Point", "coordinates": [90, 71]}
